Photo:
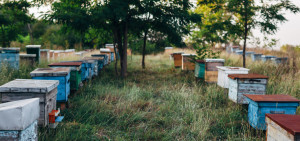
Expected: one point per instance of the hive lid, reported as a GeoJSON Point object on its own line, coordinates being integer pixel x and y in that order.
{"type": "Point", "coordinates": [247, 76]}
{"type": "Point", "coordinates": [188, 54]}
{"type": "Point", "coordinates": [97, 55]}
{"type": "Point", "coordinates": [29, 85]}
{"type": "Point", "coordinates": [66, 64]}
{"type": "Point", "coordinates": [228, 68]}
{"type": "Point", "coordinates": [70, 50]}
{"type": "Point", "coordinates": [271, 98]}
{"type": "Point", "coordinates": [93, 58]}
{"type": "Point", "coordinates": [168, 47]}
{"type": "Point", "coordinates": [27, 55]}
{"type": "Point", "coordinates": [109, 45]}
{"type": "Point", "coordinates": [18, 115]}
{"type": "Point", "coordinates": [290, 123]}
{"type": "Point", "coordinates": [235, 46]}
{"type": "Point", "coordinates": [269, 56]}
{"type": "Point", "coordinates": [257, 54]}
{"type": "Point", "coordinates": [178, 53]}
{"type": "Point", "coordinates": [40, 72]}
{"type": "Point", "coordinates": [105, 50]}
{"type": "Point", "coordinates": [33, 46]}
{"type": "Point", "coordinates": [45, 50]}
{"type": "Point", "coordinates": [59, 51]}
{"type": "Point", "coordinates": [215, 60]}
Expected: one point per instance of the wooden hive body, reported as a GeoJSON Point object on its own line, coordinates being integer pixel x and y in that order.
{"type": "Point", "coordinates": [187, 62]}
{"type": "Point", "coordinates": [224, 71]}
{"type": "Point", "coordinates": [211, 70]}
{"type": "Point", "coordinates": [177, 59]}
{"type": "Point", "coordinates": [20, 89]}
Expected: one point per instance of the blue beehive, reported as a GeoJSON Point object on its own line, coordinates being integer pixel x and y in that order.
{"type": "Point", "coordinates": [10, 57]}
{"type": "Point", "coordinates": [256, 57]}
{"type": "Point", "coordinates": [105, 61]}
{"type": "Point", "coordinates": [93, 67]}
{"type": "Point", "coordinates": [85, 68]}
{"type": "Point", "coordinates": [99, 62]}
{"type": "Point", "coordinates": [61, 74]}
{"type": "Point", "coordinates": [280, 60]}
{"type": "Point", "coordinates": [266, 58]}
{"type": "Point", "coordinates": [260, 105]}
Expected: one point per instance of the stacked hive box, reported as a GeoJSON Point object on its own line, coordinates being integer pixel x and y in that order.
{"type": "Point", "coordinates": [99, 62]}
{"type": "Point", "coordinates": [177, 56]}
{"type": "Point", "coordinates": [200, 69]}
{"type": "Point", "coordinates": [75, 77]}
{"type": "Point", "coordinates": [260, 105]}
{"type": "Point", "coordinates": [105, 57]}
{"type": "Point", "coordinates": [187, 62]}
{"type": "Point", "coordinates": [112, 50]}
{"type": "Point", "coordinates": [283, 127]}
{"type": "Point", "coordinates": [10, 57]}
{"type": "Point", "coordinates": [21, 89]}
{"type": "Point", "coordinates": [85, 69]}
{"type": "Point", "coordinates": [211, 70]}
{"type": "Point", "coordinates": [60, 74]}
{"type": "Point", "coordinates": [28, 58]}
{"type": "Point", "coordinates": [34, 49]}
{"type": "Point", "coordinates": [93, 69]}
{"type": "Point", "coordinates": [240, 84]}
{"type": "Point", "coordinates": [224, 71]}
{"type": "Point", "coordinates": [19, 120]}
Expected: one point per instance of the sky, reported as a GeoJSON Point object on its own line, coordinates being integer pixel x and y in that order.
{"type": "Point", "coordinates": [288, 33]}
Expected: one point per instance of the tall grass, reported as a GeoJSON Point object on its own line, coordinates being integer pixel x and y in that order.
{"type": "Point", "coordinates": [162, 103]}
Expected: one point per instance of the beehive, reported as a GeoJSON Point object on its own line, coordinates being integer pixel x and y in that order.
{"type": "Point", "coordinates": [200, 69]}
{"type": "Point", "coordinates": [168, 50]}
{"type": "Point", "coordinates": [177, 56]}
{"type": "Point", "coordinates": [93, 67]}
{"type": "Point", "coordinates": [107, 52]}
{"type": "Point", "coordinates": [256, 57]}
{"type": "Point", "coordinates": [34, 49]}
{"type": "Point", "coordinates": [224, 71]}
{"type": "Point", "coordinates": [21, 89]}
{"type": "Point", "coordinates": [232, 49]}
{"type": "Point", "coordinates": [105, 57]}
{"type": "Point", "coordinates": [129, 52]}
{"type": "Point", "coordinates": [280, 60]}
{"type": "Point", "coordinates": [240, 84]}
{"type": "Point", "coordinates": [28, 58]}
{"type": "Point", "coordinates": [19, 120]}
{"type": "Point", "coordinates": [282, 127]}
{"type": "Point", "coordinates": [211, 70]}
{"type": "Point", "coordinates": [85, 69]}
{"type": "Point", "coordinates": [51, 54]}
{"type": "Point", "coordinates": [45, 54]}
{"type": "Point", "coordinates": [187, 62]}
{"type": "Point", "coordinates": [99, 62]}
{"type": "Point", "coordinates": [75, 76]}
{"type": "Point", "coordinates": [266, 58]}
{"type": "Point", "coordinates": [60, 74]}
{"type": "Point", "coordinates": [248, 53]}
{"type": "Point", "coordinates": [260, 105]}
{"type": "Point", "coordinates": [10, 57]}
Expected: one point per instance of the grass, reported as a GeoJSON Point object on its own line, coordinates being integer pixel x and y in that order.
{"type": "Point", "coordinates": [162, 103]}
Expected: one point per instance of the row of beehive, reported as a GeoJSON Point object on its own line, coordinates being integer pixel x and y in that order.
{"type": "Point", "coordinates": [48, 86]}
{"type": "Point", "coordinates": [245, 88]}
{"type": "Point", "coordinates": [257, 56]}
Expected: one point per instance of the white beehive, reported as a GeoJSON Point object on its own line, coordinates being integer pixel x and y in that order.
{"type": "Point", "coordinates": [224, 71]}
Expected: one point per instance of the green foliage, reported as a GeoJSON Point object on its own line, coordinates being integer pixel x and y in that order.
{"type": "Point", "coordinates": [204, 52]}
{"type": "Point", "coordinates": [13, 17]}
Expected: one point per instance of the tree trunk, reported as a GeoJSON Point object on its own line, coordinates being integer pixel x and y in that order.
{"type": "Point", "coordinates": [30, 34]}
{"type": "Point", "coordinates": [144, 49]}
{"type": "Point", "coordinates": [115, 49]}
{"type": "Point", "coordinates": [124, 61]}
{"type": "Point", "coordinates": [245, 34]}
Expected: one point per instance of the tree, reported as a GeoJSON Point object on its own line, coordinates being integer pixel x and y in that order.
{"type": "Point", "coordinates": [13, 18]}
{"type": "Point", "coordinates": [265, 15]}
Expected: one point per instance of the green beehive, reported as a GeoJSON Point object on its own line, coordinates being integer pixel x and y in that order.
{"type": "Point", "coordinates": [34, 49]}
{"type": "Point", "coordinates": [200, 69]}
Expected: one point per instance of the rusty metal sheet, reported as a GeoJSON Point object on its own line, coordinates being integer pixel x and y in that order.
{"type": "Point", "coordinates": [290, 123]}
{"type": "Point", "coordinates": [247, 76]}
{"type": "Point", "coordinates": [66, 64]}
{"type": "Point", "coordinates": [272, 98]}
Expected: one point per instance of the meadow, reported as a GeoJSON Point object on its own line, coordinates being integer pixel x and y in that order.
{"type": "Point", "coordinates": [160, 103]}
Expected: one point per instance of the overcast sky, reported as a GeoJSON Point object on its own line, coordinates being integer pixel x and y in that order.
{"type": "Point", "coordinates": [288, 33]}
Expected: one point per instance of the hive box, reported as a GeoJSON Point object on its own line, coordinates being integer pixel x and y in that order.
{"type": "Point", "coordinates": [19, 120]}
{"type": "Point", "coordinates": [28, 58]}
{"type": "Point", "coordinates": [187, 62]}
{"type": "Point", "coordinates": [280, 60]}
{"type": "Point", "coordinates": [240, 84]}
{"type": "Point", "coordinates": [85, 69]}
{"type": "Point", "coordinates": [21, 89]}
{"type": "Point", "coordinates": [256, 57]}
{"type": "Point", "coordinates": [34, 49]}
{"type": "Point", "coordinates": [211, 70]}
{"type": "Point", "coordinates": [93, 67]}
{"type": "Point", "coordinates": [281, 127]}
{"type": "Point", "coordinates": [10, 57]}
{"type": "Point", "coordinates": [248, 53]}
{"type": "Point", "coordinates": [45, 54]}
{"type": "Point", "coordinates": [105, 57]}
{"type": "Point", "coordinates": [260, 105]}
{"type": "Point", "coordinates": [108, 52]}
{"type": "Point", "coordinates": [75, 77]}
{"type": "Point", "coordinates": [200, 69]}
{"type": "Point", "coordinates": [99, 62]}
{"type": "Point", "coordinates": [177, 56]}
{"type": "Point", "coordinates": [266, 58]}
{"type": "Point", "coordinates": [168, 50]}
{"type": "Point", "coordinates": [232, 49]}
{"type": "Point", "coordinates": [60, 74]}
{"type": "Point", "coordinates": [224, 71]}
